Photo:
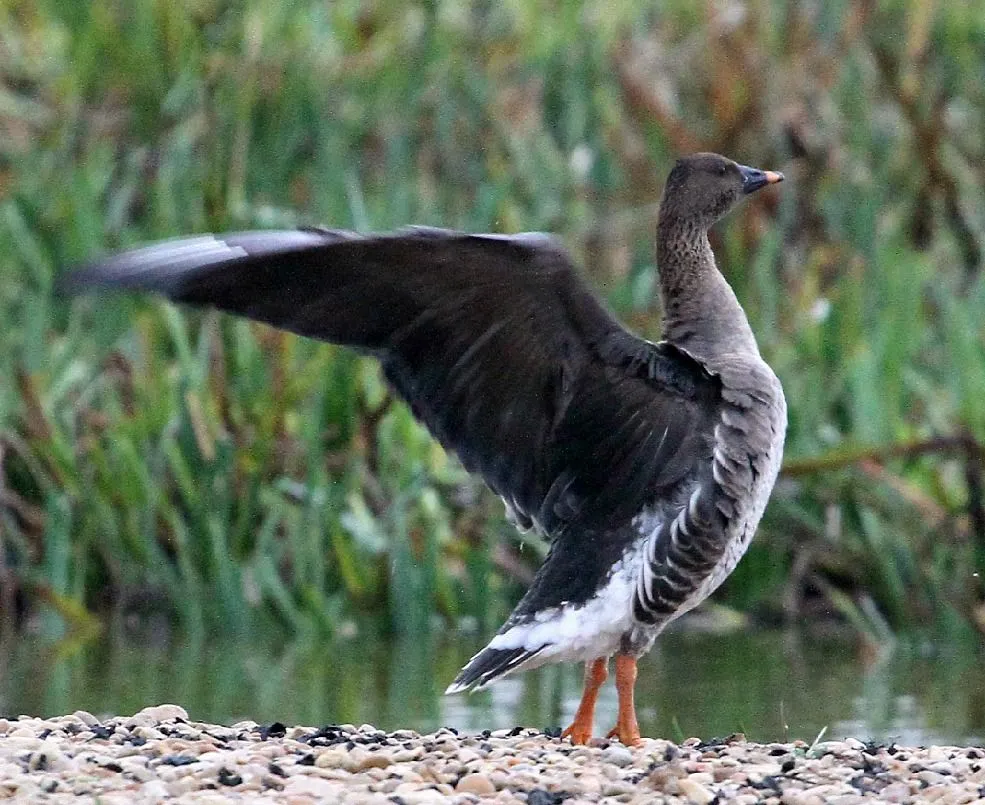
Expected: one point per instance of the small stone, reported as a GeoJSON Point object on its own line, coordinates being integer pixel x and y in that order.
{"type": "Point", "coordinates": [301, 784]}
{"type": "Point", "coordinates": [476, 783]}
{"type": "Point", "coordinates": [271, 783]}
{"type": "Point", "coordinates": [371, 760]}
{"type": "Point", "coordinates": [617, 755]}
{"type": "Point", "coordinates": [424, 796]}
{"type": "Point", "coordinates": [147, 733]}
{"type": "Point", "coordinates": [695, 792]}
{"type": "Point", "coordinates": [407, 735]}
{"type": "Point", "coordinates": [153, 791]}
{"type": "Point", "coordinates": [721, 773]}
{"type": "Point", "coordinates": [85, 717]}
{"type": "Point", "coordinates": [931, 777]}
{"type": "Point", "coordinates": [136, 769]}
{"type": "Point", "coordinates": [229, 778]}
{"type": "Point", "coordinates": [47, 758]}
{"type": "Point", "coordinates": [407, 755]}
{"type": "Point", "coordinates": [936, 753]}
{"type": "Point", "coordinates": [895, 792]}
{"type": "Point", "coordinates": [813, 797]}
{"type": "Point", "coordinates": [617, 788]}
{"type": "Point", "coordinates": [354, 759]}
{"type": "Point", "coordinates": [159, 713]}
{"type": "Point", "coordinates": [499, 778]}
{"type": "Point", "coordinates": [590, 784]}
{"type": "Point", "coordinates": [332, 759]}
{"type": "Point", "coordinates": [466, 755]}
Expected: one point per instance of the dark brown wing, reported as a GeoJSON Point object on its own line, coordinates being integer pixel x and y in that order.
{"type": "Point", "coordinates": [494, 341]}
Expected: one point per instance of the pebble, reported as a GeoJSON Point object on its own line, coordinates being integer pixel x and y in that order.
{"type": "Point", "coordinates": [86, 718]}
{"type": "Point", "coordinates": [314, 786]}
{"type": "Point", "coordinates": [467, 755]}
{"type": "Point", "coordinates": [930, 777]}
{"type": "Point", "coordinates": [895, 792]}
{"type": "Point", "coordinates": [159, 754]}
{"type": "Point", "coordinates": [47, 758]}
{"type": "Point", "coordinates": [159, 713]}
{"type": "Point", "coordinates": [617, 755]}
{"type": "Point", "coordinates": [695, 791]}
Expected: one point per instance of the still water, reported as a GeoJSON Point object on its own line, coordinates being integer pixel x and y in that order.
{"type": "Point", "coordinates": [770, 685]}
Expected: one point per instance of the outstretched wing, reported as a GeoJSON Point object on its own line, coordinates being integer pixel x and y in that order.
{"type": "Point", "coordinates": [495, 342]}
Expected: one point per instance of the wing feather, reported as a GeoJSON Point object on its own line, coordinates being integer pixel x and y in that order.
{"type": "Point", "coordinates": [498, 346]}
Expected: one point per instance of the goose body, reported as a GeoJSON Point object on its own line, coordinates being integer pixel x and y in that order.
{"type": "Point", "coordinates": [648, 465]}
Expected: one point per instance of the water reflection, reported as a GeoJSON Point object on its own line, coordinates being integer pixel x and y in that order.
{"type": "Point", "coordinates": [772, 686]}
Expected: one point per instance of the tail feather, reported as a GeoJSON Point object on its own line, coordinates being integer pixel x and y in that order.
{"type": "Point", "coordinates": [489, 665]}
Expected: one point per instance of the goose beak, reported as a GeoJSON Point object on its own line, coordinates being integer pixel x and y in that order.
{"type": "Point", "coordinates": [754, 178]}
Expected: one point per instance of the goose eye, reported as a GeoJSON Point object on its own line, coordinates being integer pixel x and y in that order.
{"type": "Point", "coordinates": [722, 170]}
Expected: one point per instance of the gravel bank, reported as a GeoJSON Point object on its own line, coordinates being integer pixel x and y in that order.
{"type": "Point", "coordinates": [159, 755]}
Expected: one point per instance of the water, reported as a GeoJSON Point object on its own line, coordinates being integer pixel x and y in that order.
{"type": "Point", "coordinates": [770, 685]}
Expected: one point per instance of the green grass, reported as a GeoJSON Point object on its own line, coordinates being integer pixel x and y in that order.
{"type": "Point", "coordinates": [152, 458]}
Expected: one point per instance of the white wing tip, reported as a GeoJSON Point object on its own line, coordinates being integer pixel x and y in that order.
{"type": "Point", "coordinates": [455, 687]}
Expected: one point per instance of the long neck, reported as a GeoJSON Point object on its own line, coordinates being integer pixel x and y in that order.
{"type": "Point", "coordinates": [701, 312]}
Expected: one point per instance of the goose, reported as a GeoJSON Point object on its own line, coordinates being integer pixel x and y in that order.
{"type": "Point", "coordinates": [647, 465]}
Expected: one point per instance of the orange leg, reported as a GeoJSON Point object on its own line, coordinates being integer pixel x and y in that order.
{"type": "Point", "coordinates": [580, 731]}
{"type": "Point", "coordinates": [627, 729]}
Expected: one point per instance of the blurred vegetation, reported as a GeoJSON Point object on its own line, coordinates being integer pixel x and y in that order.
{"type": "Point", "coordinates": [164, 460]}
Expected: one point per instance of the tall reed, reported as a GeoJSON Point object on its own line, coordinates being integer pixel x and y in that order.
{"type": "Point", "coordinates": [157, 459]}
